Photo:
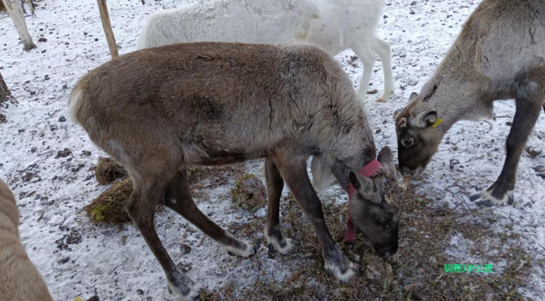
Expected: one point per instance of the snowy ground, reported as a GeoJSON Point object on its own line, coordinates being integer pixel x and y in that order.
{"type": "Point", "coordinates": [79, 258]}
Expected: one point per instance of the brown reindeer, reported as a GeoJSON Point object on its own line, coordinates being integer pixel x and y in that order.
{"type": "Point", "coordinates": [19, 278]}
{"type": "Point", "coordinates": [500, 54]}
{"type": "Point", "coordinates": [160, 110]}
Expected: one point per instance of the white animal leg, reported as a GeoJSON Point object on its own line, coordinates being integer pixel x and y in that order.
{"type": "Point", "coordinates": [367, 58]}
{"type": "Point", "coordinates": [382, 49]}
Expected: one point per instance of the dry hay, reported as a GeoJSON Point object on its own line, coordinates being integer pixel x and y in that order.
{"type": "Point", "coordinates": [417, 273]}
{"type": "Point", "coordinates": [107, 171]}
{"type": "Point", "coordinates": [202, 177]}
{"type": "Point", "coordinates": [249, 193]}
{"type": "Point", "coordinates": [109, 206]}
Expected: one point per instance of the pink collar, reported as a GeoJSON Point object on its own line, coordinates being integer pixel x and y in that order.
{"type": "Point", "coordinates": [367, 171]}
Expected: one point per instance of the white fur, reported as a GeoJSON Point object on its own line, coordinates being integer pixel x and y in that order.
{"type": "Point", "coordinates": [335, 270]}
{"type": "Point", "coordinates": [193, 292]}
{"type": "Point", "coordinates": [246, 253]}
{"type": "Point", "coordinates": [333, 25]}
{"type": "Point", "coordinates": [276, 244]}
{"type": "Point", "coordinates": [487, 196]}
{"type": "Point", "coordinates": [321, 174]}
{"type": "Point", "coordinates": [74, 102]}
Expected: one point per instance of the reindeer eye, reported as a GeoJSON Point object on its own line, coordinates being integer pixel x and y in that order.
{"type": "Point", "coordinates": [407, 142]}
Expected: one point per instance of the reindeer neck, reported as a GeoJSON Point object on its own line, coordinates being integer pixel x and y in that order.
{"type": "Point", "coordinates": [457, 91]}
{"type": "Point", "coordinates": [361, 140]}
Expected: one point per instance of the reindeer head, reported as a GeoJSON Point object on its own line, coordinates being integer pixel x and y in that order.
{"type": "Point", "coordinates": [374, 206]}
{"type": "Point", "coordinates": [417, 138]}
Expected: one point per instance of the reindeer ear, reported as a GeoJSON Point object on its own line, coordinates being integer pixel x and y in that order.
{"type": "Point", "coordinates": [385, 155]}
{"type": "Point", "coordinates": [413, 96]}
{"type": "Point", "coordinates": [425, 119]}
{"type": "Point", "coordinates": [397, 113]}
{"type": "Point", "coordinates": [362, 183]}
{"type": "Point", "coordinates": [430, 118]}
{"type": "Point", "coordinates": [366, 187]}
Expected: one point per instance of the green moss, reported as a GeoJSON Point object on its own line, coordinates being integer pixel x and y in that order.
{"type": "Point", "coordinates": [110, 205]}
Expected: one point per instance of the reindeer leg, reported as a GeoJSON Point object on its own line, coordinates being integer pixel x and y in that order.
{"type": "Point", "coordinates": [382, 49]}
{"type": "Point", "coordinates": [530, 95]}
{"type": "Point", "coordinates": [367, 58]}
{"type": "Point", "coordinates": [275, 239]}
{"type": "Point", "coordinates": [141, 208]}
{"type": "Point", "coordinates": [295, 174]}
{"type": "Point", "coordinates": [178, 198]}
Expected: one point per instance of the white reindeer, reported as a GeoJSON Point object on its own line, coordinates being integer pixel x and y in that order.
{"type": "Point", "coordinates": [333, 25]}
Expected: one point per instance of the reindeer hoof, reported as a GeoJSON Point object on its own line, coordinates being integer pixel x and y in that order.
{"type": "Point", "coordinates": [485, 199]}
{"type": "Point", "coordinates": [183, 287]}
{"type": "Point", "coordinates": [284, 246]}
{"type": "Point", "coordinates": [271, 253]}
{"type": "Point", "coordinates": [249, 249]}
{"type": "Point", "coordinates": [344, 271]}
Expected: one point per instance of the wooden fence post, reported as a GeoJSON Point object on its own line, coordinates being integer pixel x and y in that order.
{"type": "Point", "coordinates": [107, 28]}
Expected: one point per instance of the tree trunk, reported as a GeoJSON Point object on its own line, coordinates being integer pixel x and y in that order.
{"type": "Point", "coordinates": [5, 96]}
{"type": "Point", "coordinates": [107, 28]}
{"type": "Point", "coordinates": [15, 11]}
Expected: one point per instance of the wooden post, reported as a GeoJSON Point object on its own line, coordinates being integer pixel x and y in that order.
{"type": "Point", "coordinates": [107, 28]}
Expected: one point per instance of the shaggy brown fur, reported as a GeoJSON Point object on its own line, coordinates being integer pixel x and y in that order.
{"type": "Point", "coordinates": [159, 110]}
{"type": "Point", "coordinates": [19, 278]}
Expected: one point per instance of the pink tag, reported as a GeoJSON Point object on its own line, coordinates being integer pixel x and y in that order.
{"type": "Point", "coordinates": [367, 171]}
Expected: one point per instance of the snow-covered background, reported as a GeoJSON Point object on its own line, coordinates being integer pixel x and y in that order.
{"type": "Point", "coordinates": [79, 258]}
